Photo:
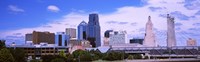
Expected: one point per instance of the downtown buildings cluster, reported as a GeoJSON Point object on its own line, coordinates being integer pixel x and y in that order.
{"type": "Point", "coordinates": [90, 33]}
{"type": "Point", "coordinates": [89, 37]}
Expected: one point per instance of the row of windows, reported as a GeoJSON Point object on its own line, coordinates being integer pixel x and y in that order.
{"type": "Point", "coordinates": [43, 51]}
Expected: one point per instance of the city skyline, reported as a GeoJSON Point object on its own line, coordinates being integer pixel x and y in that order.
{"type": "Point", "coordinates": [130, 16]}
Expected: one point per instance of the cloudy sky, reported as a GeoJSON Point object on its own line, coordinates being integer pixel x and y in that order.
{"type": "Point", "coordinates": [23, 16]}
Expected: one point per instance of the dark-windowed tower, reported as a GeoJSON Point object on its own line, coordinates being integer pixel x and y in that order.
{"type": "Point", "coordinates": [93, 30]}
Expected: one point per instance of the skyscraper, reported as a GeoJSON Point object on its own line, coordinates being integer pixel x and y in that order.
{"type": "Point", "coordinates": [149, 39]}
{"type": "Point", "coordinates": [28, 37]}
{"type": "Point", "coordinates": [171, 39]}
{"type": "Point", "coordinates": [61, 39]}
{"type": "Point", "coordinates": [82, 31]}
{"type": "Point", "coordinates": [71, 32]}
{"type": "Point", "coordinates": [93, 30]}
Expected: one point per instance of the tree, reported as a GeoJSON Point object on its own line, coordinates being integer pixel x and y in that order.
{"type": "Point", "coordinates": [130, 57]}
{"type": "Point", "coordinates": [47, 58]}
{"type": "Point", "coordinates": [82, 55]}
{"type": "Point", "coordinates": [2, 44]}
{"type": "Point", "coordinates": [137, 56]}
{"type": "Point", "coordinates": [57, 60]}
{"type": "Point", "coordinates": [35, 60]}
{"type": "Point", "coordinates": [96, 55]}
{"type": "Point", "coordinates": [113, 55]}
{"type": "Point", "coordinates": [18, 54]}
{"type": "Point", "coordinates": [6, 56]}
{"type": "Point", "coordinates": [62, 54]}
{"type": "Point", "coordinates": [70, 58]}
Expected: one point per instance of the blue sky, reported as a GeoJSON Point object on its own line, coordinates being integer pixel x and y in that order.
{"type": "Point", "coordinates": [23, 16]}
{"type": "Point", "coordinates": [35, 13]}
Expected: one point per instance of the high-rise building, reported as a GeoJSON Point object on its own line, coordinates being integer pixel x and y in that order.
{"type": "Point", "coordinates": [28, 37]}
{"type": "Point", "coordinates": [46, 37]}
{"type": "Point", "coordinates": [61, 39]}
{"type": "Point", "coordinates": [117, 37]}
{"type": "Point", "coordinates": [191, 42]}
{"type": "Point", "coordinates": [149, 39]}
{"type": "Point", "coordinates": [82, 31]}
{"type": "Point", "coordinates": [171, 39]}
{"type": "Point", "coordinates": [93, 30]}
{"type": "Point", "coordinates": [71, 32]}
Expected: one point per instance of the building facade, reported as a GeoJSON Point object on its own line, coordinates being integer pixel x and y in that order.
{"type": "Point", "coordinates": [39, 51]}
{"type": "Point", "coordinates": [171, 39]}
{"type": "Point", "coordinates": [191, 42]}
{"type": "Point", "coordinates": [149, 39]}
{"type": "Point", "coordinates": [106, 37]}
{"type": "Point", "coordinates": [82, 31]}
{"type": "Point", "coordinates": [117, 37]}
{"type": "Point", "coordinates": [93, 30]}
{"type": "Point", "coordinates": [28, 37]}
{"type": "Point", "coordinates": [61, 39]}
{"type": "Point", "coordinates": [71, 32]}
{"type": "Point", "coordinates": [47, 37]}
{"type": "Point", "coordinates": [136, 40]}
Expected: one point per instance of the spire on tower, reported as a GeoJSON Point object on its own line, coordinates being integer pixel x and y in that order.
{"type": "Point", "coordinates": [149, 18]}
{"type": "Point", "coordinates": [168, 16]}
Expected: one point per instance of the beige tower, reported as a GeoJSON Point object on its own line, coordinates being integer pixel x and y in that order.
{"type": "Point", "coordinates": [171, 39]}
{"type": "Point", "coordinates": [191, 42]}
{"type": "Point", "coordinates": [149, 39]}
{"type": "Point", "coordinates": [71, 32]}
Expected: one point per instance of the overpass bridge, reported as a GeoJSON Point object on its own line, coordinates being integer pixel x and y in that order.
{"type": "Point", "coordinates": [176, 52]}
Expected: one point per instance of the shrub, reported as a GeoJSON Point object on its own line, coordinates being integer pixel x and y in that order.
{"type": "Point", "coordinates": [57, 60]}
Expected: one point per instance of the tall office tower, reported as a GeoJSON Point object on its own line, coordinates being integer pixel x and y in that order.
{"type": "Point", "coordinates": [71, 32]}
{"type": "Point", "coordinates": [191, 42]}
{"type": "Point", "coordinates": [171, 39]}
{"type": "Point", "coordinates": [93, 30]}
{"type": "Point", "coordinates": [61, 39]}
{"type": "Point", "coordinates": [149, 39]}
{"type": "Point", "coordinates": [82, 31]}
{"type": "Point", "coordinates": [28, 37]}
{"type": "Point", "coordinates": [47, 37]}
{"type": "Point", "coordinates": [117, 37]}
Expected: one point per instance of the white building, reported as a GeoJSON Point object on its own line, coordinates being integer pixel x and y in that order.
{"type": "Point", "coordinates": [149, 39]}
{"type": "Point", "coordinates": [171, 39]}
{"type": "Point", "coordinates": [117, 37]}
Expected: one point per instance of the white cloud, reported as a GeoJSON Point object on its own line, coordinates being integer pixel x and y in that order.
{"type": "Point", "coordinates": [15, 8]}
{"type": "Point", "coordinates": [129, 14]}
{"type": "Point", "coordinates": [53, 8]}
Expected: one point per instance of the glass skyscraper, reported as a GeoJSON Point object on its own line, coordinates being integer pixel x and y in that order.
{"type": "Point", "coordinates": [61, 39]}
{"type": "Point", "coordinates": [93, 30]}
{"type": "Point", "coordinates": [82, 31]}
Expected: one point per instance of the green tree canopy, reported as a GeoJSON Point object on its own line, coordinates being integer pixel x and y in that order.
{"type": "Point", "coordinates": [6, 56]}
{"type": "Point", "coordinates": [57, 60]}
{"type": "Point", "coordinates": [18, 54]}
{"type": "Point", "coordinates": [2, 44]}
{"type": "Point", "coordinates": [82, 55]}
{"type": "Point", "coordinates": [113, 55]}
